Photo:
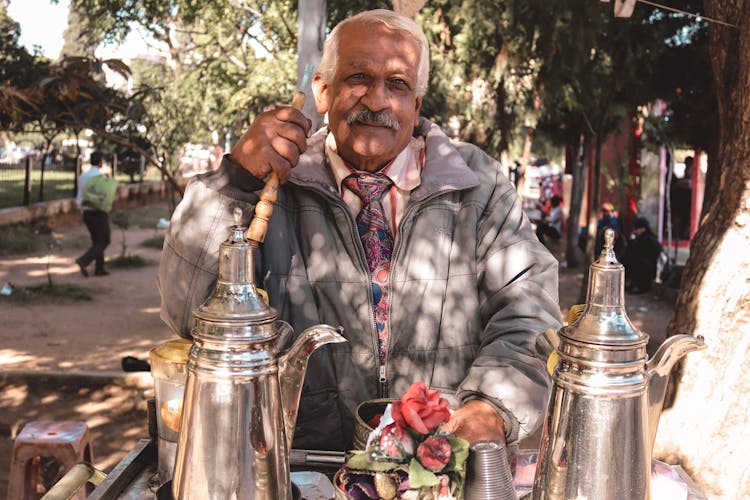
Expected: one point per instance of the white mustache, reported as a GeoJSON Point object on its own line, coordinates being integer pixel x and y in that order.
{"type": "Point", "coordinates": [373, 117]}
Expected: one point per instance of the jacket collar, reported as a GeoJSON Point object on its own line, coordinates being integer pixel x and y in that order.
{"type": "Point", "coordinates": [445, 168]}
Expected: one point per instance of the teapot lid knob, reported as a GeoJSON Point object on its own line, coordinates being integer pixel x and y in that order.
{"type": "Point", "coordinates": [608, 255]}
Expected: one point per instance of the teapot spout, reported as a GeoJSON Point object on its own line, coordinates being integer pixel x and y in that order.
{"type": "Point", "coordinates": [292, 368]}
{"type": "Point", "coordinates": [660, 366]}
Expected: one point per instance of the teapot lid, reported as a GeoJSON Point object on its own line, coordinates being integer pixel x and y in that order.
{"type": "Point", "coordinates": [235, 298]}
{"type": "Point", "coordinates": [604, 321]}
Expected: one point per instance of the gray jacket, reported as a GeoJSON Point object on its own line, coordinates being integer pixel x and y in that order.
{"type": "Point", "coordinates": [471, 286]}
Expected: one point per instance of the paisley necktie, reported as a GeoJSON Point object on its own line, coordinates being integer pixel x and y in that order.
{"type": "Point", "coordinates": [377, 241]}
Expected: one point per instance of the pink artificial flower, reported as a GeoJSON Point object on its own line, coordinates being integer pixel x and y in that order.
{"type": "Point", "coordinates": [395, 442]}
{"type": "Point", "coordinates": [434, 453]}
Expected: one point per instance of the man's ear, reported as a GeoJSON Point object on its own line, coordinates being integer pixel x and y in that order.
{"type": "Point", "coordinates": [417, 107]}
{"type": "Point", "coordinates": [321, 93]}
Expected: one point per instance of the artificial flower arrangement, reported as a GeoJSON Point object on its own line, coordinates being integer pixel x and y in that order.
{"type": "Point", "coordinates": [408, 456]}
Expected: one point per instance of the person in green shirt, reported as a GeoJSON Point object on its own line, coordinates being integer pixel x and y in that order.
{"type": "Point", "coordinates": [97, 192]}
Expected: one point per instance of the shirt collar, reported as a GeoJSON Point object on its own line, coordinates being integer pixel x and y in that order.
{"type": "Point", "coordinates": [404, 171]}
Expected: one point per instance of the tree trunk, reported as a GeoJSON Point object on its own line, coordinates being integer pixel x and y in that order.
{"type": "Point", "coordinates": [48, 144]}
{"type": "Point", "coordinates": [78, 164]}
{"type": "Point", "coordinates": [593, 215]}
{"type": "Point", "coordinates": [707, 428]}
{"type": "Point", "coordinates": [525, 156]}
{"type": "Point", "coordinates": [312, 34]}
{"type": "Point", "coordinates": [579, 172]}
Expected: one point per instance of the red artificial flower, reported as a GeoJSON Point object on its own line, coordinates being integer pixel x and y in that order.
{"type": "Point", "coordinates": [421, 409]}
{"type": "Point", "coordinates": [374, 422]}
{"type": "Point", "coordinates": [395, 442]}
{"type": "Point", "coordinates": [434, 453]}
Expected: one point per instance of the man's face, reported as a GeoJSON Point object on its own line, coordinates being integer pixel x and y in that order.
{"type": "Point", "coordinates": [376, 72]}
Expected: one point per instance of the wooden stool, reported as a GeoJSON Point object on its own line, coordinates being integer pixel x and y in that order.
{"type": "Point", "coordinates": [65, 441]}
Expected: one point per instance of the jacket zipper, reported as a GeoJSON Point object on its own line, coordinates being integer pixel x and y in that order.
{"type": "Point", "coordinates": [383, 390]}
{"type": "Point", "coordinates": [381, 367]}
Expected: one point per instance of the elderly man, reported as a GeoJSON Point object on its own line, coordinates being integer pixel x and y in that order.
{"type": "Point", "coordinates": [415, 244]}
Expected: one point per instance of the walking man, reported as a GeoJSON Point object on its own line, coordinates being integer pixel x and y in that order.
{"type": "Point", "coordinates": [96, 192]}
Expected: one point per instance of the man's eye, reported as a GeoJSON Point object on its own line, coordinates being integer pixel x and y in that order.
{"type": "Point", "coordinates": [357, 77]}
{"type": "Point", "coordinates": [400, 83]}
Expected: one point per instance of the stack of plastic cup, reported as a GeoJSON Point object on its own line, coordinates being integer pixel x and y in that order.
{"type": "Point", "coordinates": [488, 475]}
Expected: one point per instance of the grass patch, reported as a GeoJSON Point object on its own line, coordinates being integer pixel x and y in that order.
{"type": "Point", "coordinates": [24, 239]}
{"type": "Point", "coordinates": [128, 262]}
{"type": "Point", "coordinates": [156, 242]}
{"type": "Point", "coordinates": [57, 185]}
{"type": "Point", "coordinates": [45, 293]}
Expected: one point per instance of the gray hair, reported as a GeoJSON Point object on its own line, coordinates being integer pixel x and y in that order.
{"type": "Point", "coordinates": [394, 21]}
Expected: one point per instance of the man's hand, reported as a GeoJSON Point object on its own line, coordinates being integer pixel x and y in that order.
{"type": "Point", "coordinates": [477, 421]}
{"type": "Point", "coordinates": [274, 142]}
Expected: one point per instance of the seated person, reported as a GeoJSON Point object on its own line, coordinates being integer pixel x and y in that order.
{"type": "Point", "coordinates": [417, 245]}
{"type": "Point", "coordinates": [641, 257]}
{"type": "Point", "coordinates": [551, 226]}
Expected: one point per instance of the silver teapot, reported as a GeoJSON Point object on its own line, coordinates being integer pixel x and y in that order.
{"type": "Point", "coordinates": [241, 395]}
{"type": "Point", "coordinates": [607, 397]}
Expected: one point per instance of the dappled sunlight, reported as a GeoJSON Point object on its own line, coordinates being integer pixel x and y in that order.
{"type": "Point", "coordinates": [11, 357]}
{"type": "Point", "coordinates": [12, 395]}
{"type": "Point", "coordinates": [53, 269]}
{"type": "Point", "coordinates": [36, 266]}
{"type": "Point", "coordinates": [115, 415]}
{"type": "Point", "coordinates": [95, 420]}
{"type": "Point", "coordinates": [50, 398]}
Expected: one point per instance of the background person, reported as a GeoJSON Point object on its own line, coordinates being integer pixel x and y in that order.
{"type": "Point", "coordinates": [378, 209]}
{"type": "Point", "coordinates": [681, 194]}
{"type": "Point", "coordinates": [551, 227]}
{"type": "Point", "coordinates": [97, 192]}
{"type": "Point", "coordinates": [641, 257]}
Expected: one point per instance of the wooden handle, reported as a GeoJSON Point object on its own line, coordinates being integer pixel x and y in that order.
{"type": "Point", "coordinates": [256, 233]}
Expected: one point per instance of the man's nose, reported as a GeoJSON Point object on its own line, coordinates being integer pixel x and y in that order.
{"type": "Point", "coordinates": [376, 96]}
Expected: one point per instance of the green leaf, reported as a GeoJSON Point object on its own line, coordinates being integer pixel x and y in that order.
{"type": "Point", "coordinates": [459, 454]}
{"type": "Point", "coordinates": [419, 476]}
{"type": "Point", "coordinates": [364, 461]}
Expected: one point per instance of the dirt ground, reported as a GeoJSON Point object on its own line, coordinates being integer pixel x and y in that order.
{"type": "Point", "coordinates": [60, 361]}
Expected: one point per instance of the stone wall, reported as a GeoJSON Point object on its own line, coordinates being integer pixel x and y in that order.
{"type": "Point", "coordinates": [58, 212]}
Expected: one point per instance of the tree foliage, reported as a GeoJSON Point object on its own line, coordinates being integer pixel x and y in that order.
{"type": "Point", "coordinates": [18, 70]}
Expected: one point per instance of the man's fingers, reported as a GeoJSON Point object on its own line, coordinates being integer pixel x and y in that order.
{"type": "Point", "coordinates": [293, 134]}
{"type": "Point", "coordinates": [274, 142]}
{"type": "Point", "coordinates": [280, 165]}
{"type": "Point", "coordinates": [286, 149]}
{"type": "Point", "coordinates": [290, 115]}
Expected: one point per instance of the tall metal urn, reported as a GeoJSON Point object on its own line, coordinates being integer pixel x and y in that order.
{"type": "Point", "coordinates": [241, 395]}
{"type": "Point", "coordinates": [606, 399]}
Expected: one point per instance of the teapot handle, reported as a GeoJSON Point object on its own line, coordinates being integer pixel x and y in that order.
{"type": "Point", "coordinates": [285, 335]}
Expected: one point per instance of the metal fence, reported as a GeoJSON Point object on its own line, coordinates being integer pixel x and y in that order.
{"type": "Point", "coordinates": [24, 183]}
